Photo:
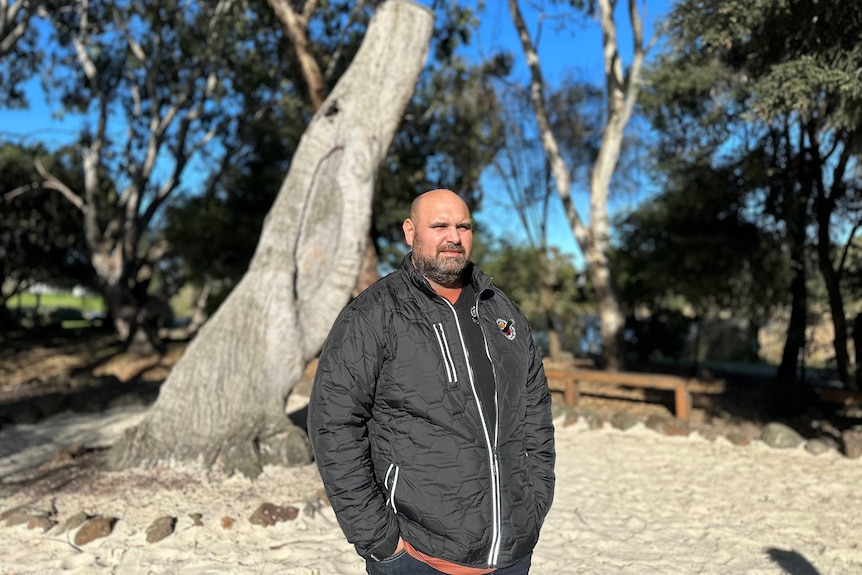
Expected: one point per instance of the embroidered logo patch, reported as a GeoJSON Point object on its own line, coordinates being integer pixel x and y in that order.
{"type": "Point", "coordinates": [507, 327]}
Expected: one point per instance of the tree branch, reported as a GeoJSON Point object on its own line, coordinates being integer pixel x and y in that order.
{"type": "Point", "coordinates": [11, 31]}
{"type": "Point", "coordinates": [294, 26]}
{"type": "Point", "coordinates": [549, 141]}
{"type": "Point", "coordinates": [50, 181]}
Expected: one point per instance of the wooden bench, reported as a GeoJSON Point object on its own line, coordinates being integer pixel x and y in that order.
{"type": "Point", "coordinates": [568, 381]}
{"type": "Point", "coordinates": [838, 396]}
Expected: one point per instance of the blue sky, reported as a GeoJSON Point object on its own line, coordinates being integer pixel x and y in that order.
{"type": "Point", "coordinates": [565, 48]}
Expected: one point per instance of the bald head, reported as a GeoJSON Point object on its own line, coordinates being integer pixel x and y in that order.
{"type": "Point", "coordinates": [432, 200]}
{"type": "Point", "coordinates": [440, 232]}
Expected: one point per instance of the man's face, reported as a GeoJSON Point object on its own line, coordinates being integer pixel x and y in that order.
{"type": "Point", "coordinates": [441, 235]}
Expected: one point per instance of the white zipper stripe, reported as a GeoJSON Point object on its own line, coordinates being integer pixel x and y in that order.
{"type": "Point", "coordinates": [495, 549]}
{"type": "Point", "coordinates": [444, 349]}
{"type": "Point", "coordinates": [495, 546]}
{"type": "Point", "coordinates": [392, 490]}
{"type": "Point", "coordinates": [492, 459]}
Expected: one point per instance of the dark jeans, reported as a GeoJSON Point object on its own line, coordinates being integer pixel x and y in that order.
{"type": "Point", "coordinates": [405, 564]}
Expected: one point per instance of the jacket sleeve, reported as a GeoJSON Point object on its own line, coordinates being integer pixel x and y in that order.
{"type": "Point", "coordinates": [540, 431]}
{"type": "Point", "coordinates": [340, 407]}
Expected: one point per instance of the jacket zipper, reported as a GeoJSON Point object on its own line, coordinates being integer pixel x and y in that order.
{"type": "Point", "coordinates": [495, 546]}
{"type": "Point", "coordinates": [493, 460]}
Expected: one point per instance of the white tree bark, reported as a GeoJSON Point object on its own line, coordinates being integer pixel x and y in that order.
{"type": "Point", "coordinates": [14, 20]}
{"type": "Point", "coordinates": [621, 93]}
{"type": "Point", "coordinates": [224, 402]}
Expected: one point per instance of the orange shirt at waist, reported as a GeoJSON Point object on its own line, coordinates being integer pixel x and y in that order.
{"type": "Point", "coordinates": [445, 566]}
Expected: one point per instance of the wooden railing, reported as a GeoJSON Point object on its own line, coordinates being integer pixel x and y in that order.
{"type": "Point", "coordinates": [568, 381]}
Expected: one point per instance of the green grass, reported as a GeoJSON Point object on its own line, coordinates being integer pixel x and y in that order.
{"type": "Point", "coordinates": [80, 323]}
{"type": "Point", "coordinates": [62, 309]}
{"type": "Point", "coordinates": [46, 301]}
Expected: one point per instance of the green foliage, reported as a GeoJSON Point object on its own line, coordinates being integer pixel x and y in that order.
{"type": "Point", "coordinates": [20, 47]}
{"type": "Point", "coordinates": [765, 97]}
{"type": "Point", "coordinates": [448, 135]}
{"type": "Point", "coordinates": [41, 238]}
{"type": "Point", "coordinates": [517, 270]}
{"type": "Point", "coordinates": [693, 246]}
{"type": "Point", "coordinates": [164, 89]}
{"type": "Point", "coordinates": [791, 57]}
{"type": "Point", "coordinates": [215, 234]}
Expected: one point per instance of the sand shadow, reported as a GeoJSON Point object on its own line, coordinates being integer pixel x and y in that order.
{"type": "Point", "coordinates": [792, 562]}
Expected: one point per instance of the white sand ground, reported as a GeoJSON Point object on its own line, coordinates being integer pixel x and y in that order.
{"type": "Point", "coordinates": [632, 502]}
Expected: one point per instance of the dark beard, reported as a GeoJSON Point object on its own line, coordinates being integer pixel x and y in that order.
{"type": "Point", "coordinates": [446, 274]}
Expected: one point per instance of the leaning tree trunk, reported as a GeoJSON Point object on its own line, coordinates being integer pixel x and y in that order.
{"type": "Point", "coordinates": [224, 403]}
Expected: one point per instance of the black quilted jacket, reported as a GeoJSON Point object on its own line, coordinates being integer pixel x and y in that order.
{"type": "Point", "coordinates": [401, 441]}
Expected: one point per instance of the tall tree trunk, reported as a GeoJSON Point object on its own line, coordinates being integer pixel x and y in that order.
{"type": "Point", "coordinates": [224, 402]}
{"type": "Point", "coordinates": [621, 93]}
{"type": "Point", "coordinates": [546, 298]}
{"type": "Point", "coordinates": [789, 391]}
{"type": "Point", "coordinates": [826, 199]}
{"type": "Point", "coordinates": [789, 386]}
{"type": "Point", "coordinates": [136, 323]}
{"type": "Point", "coordinates": [831, 279]}
{"type": "Point", "coordinates": [857, 341]}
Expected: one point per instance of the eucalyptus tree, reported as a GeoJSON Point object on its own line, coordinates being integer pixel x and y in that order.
{"type": "Point", "coordinates": [224, 403]}
{"type": "Point", "coordinates": [41, 238]}
{"type": "Point", "coordinates": [449, 132]}
{"type": "Point", "coordinates": [520, 170]}
{"type": "Point", "coordinates": [780, 82]}
{"type": "Point", "coordinates": [19, 45]}
{"type": "Point", "coordinates": [450, 129]}
{"type": "Point", "coordinates": [622, 85]}
{"type": "Point", "coordinates": [153, 83]}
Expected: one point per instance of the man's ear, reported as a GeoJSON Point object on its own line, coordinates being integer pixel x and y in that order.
{"type": "Point", "coordinates": [409, 230]}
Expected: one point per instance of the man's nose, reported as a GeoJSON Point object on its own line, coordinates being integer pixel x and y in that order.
{"type": "Point", "coordinates": [453, 235]}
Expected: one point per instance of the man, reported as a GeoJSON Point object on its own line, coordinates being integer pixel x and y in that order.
{"type": "Point", "coordinates": [430, 415]}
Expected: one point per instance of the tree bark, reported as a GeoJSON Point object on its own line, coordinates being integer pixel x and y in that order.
{"type": "Point", "coordinates": [789, 389]}
{"type": "Point", "coordinates": [295, 27]}
{"type": "Point", "coordinates": [223, 404]}
{"type": "Point", "coordinates": [857, 341]}
{"type": "Point", "coordinates": [826, 199]}
{"type": "Point", "coordinates": [831, 279]}
{"type": "Point", "coordinates": [14, 21]}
